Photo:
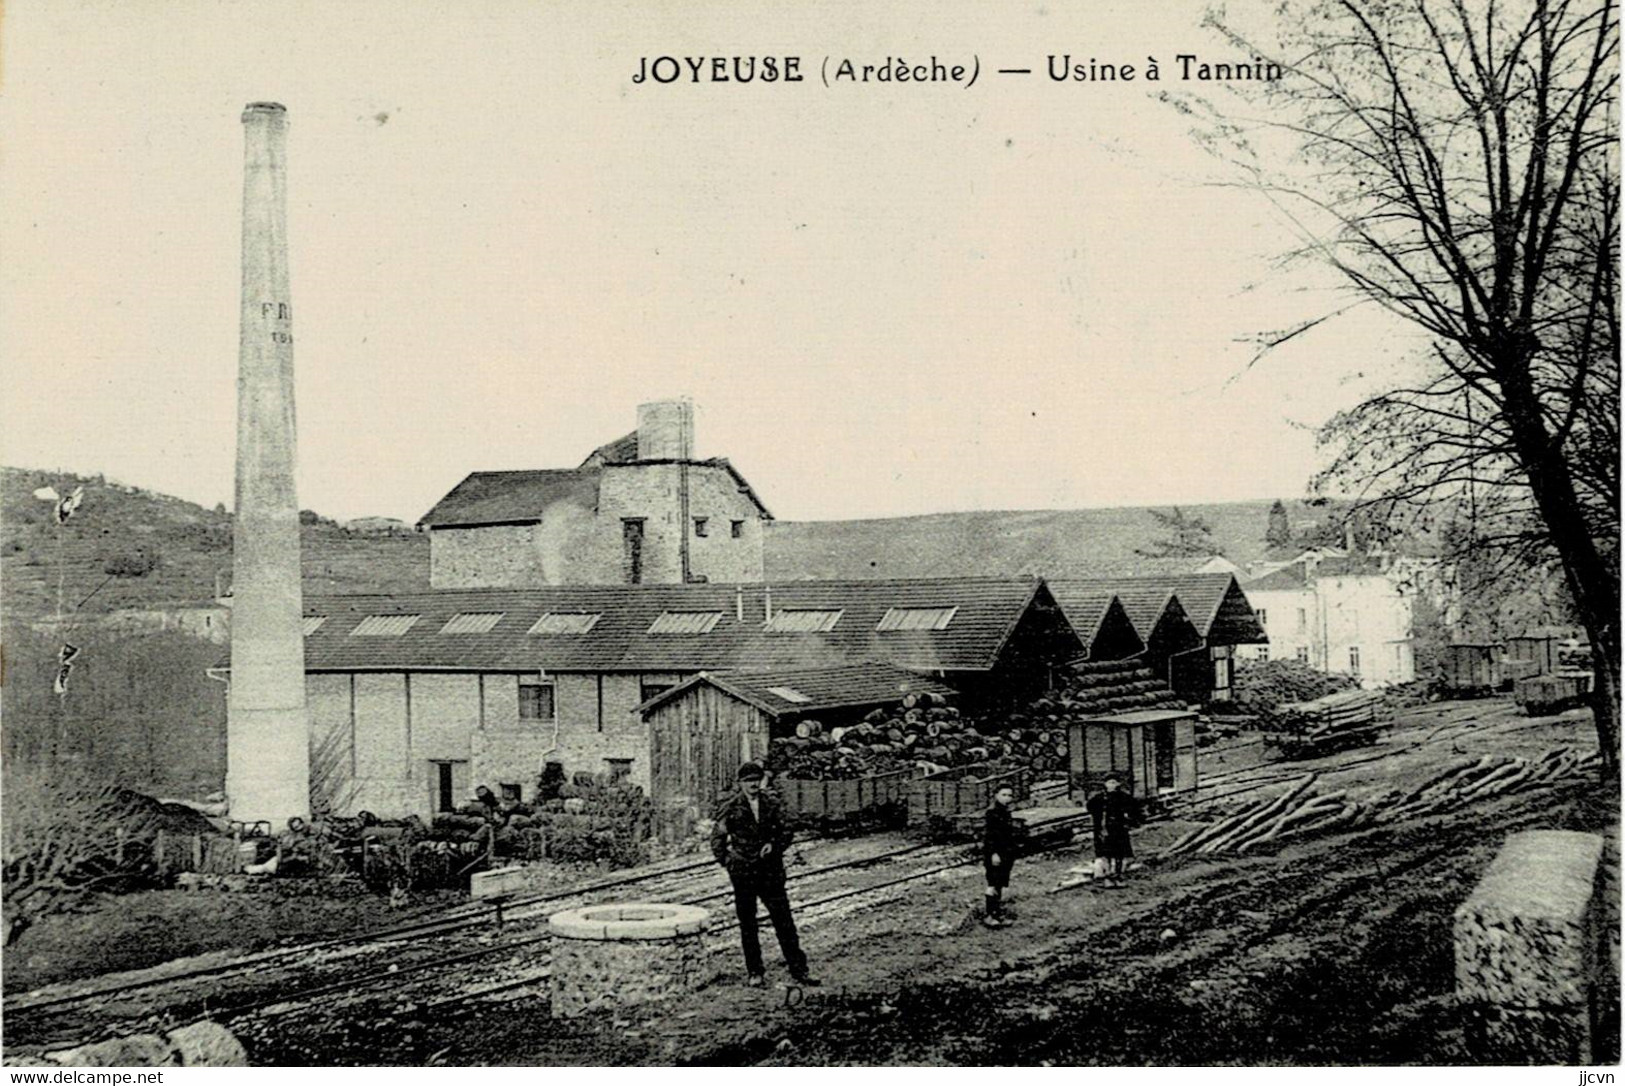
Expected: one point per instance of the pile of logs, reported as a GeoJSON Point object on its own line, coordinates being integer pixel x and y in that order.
{"type": "Point", "coordinates": [1491, 775]}
{"type": "Point", "coordinates": [1262, 685]}
{"type": "Point", "coordinates": [1334, 722]}
{"type": "Point", "coordinates": [924, 731]}
{"type": "Point", "coordinates": [1294, 813]}
{"type": "Point", "coordinates": [1109, 686]}
{"type": "Point", "coordinates": [1299, 812]}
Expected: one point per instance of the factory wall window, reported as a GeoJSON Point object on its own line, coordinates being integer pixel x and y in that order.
{"type": "Point", "coordinates": [702, 526]}
{"type": "Point", "coordinates": [510, 792]}
{"type": "Point", "coordinates": [1354, 660]}
{"type": "Point", "coordinates": [1263, 619]}
{"type": "Point", "coordinates": [1303, 654]}
{"type": "Point", "coordinates": [1263, 652]}
{"type": "Point", "coordinates": [632, 549]}
{"type": "Point", "coordinates": [536, 701]}
{"type": "Point", "coordinates": [651, 690]}
{"type": "Point", "coordinates": [1303, 620]}
{"type": "Point", "coordinates": [618, 768]}
{"type": "Point", "coordinates": [737, 528]}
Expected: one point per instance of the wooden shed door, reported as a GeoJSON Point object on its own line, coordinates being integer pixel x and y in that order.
{"type": "Point", "coordinates": [1185, 755]}
{"type": "Point", "coordinates": [1163, 740]}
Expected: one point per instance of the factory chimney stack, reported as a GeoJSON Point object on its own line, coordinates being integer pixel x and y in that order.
{"type": "Point", "coordinates": [267, 725]}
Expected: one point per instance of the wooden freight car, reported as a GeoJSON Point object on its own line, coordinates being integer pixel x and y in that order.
{"type": "Point", "coordinates": [1472, 669]}
{"type": "Point", "coordinates": [882, 797]}
{"type": "Point", "coordinates": [1543, 695]}
{"type": "Point", "coordinates": [962, 793]}
{"type": "Point", "coordinates": [1152, 752]}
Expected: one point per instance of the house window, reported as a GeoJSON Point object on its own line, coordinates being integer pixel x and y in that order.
{"type": "Point", "coordinates": [619, 768]}
{"type": "Point", "coordinates": [1263, 617]}
{"type": "Point", "coordinates": [510, 792]}
{"type": "Point", "coordinates": [1354, 660]}
{"type": "Point", "coordinates": [702, 526]}
{"type": "Point", "coordinates": [536, 698]}
{"type": "Point", "coordinates": [792, 620]}
{"type": "Point", "coordinates": [1263, 652]}
{"type": "Point", "coordinates": [737, 529]}
{"type": "Point", "coordinates": [1303, 654]}
{"type": "Point", "coordinates": [648, 691]}
{"type": "Point", "coordinates": [916, 618]}
{"type": "Point", "coordinates": [1303, 620]}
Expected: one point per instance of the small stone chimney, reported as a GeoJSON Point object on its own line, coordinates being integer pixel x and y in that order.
{"type": "Point", "coordinates": [666, 430]}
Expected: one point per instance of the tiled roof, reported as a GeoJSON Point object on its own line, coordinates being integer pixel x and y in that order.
{"type": "Point", "coordinates": [1099, 617]}
{"type": "Point", "coordinates": [1286, 579]}
{"type": "Point", "coordinates": [623, 450]}
{"type": "Point", "coordinates": [1213, 603]}
{"type": "Point", "coordinates": [511, 497]}
{"type": "Point", "coordinates": [986, 616]}
{"type": "Point", "coordinates": [817, 689]}
{"type": "Point", "coordinates": [521, 497]}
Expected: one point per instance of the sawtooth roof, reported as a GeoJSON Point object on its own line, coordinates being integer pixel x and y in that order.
{"type": "Point", "coordinates": [1098, 615]}
{"type": "Point", "coordinates": [846, 686]}
{"type": "Point", "coordinates": [1213, 603]}
{"type": "Point", "coordinates": [986, 613]}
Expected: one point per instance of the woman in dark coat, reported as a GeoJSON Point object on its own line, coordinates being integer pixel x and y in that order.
{"type": "Point", "coordinates": [1113, 812]}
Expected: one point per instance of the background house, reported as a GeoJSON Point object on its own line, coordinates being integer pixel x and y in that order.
{"type": "Point", "coordinates": [639, 510]}
{"type": "Point", "coordinates": [1337, 613]}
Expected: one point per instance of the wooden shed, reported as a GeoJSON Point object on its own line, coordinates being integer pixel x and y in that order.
{"type": "Point", "coordinates": [1472, 667]}
{"type": "Point", "coordinates": [703, 729]}
{"type": "Point", "coordinates": [1153, 752]}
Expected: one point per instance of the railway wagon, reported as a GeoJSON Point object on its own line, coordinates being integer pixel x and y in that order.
{"type": "Point", "coordinates": [1542, 695]}
{"type": "Point", "coordinates": [882, 797]}
{"type": "Point", "coordinates": [1472, 669]}
{"type": "Point", "coordinates": [963, 792]}
{"type": "Point", "coordinates": [1152, 752]}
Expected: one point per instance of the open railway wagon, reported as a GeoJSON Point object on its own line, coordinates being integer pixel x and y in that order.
{"type": "Point", "coordinates": [957, 798]}
{"type": "Point", "coordinates": [880, 798]}
{"type": "Point", "coordinates": [1308, 729]}
{"type": "Point", "coordinates": [1543, 695]}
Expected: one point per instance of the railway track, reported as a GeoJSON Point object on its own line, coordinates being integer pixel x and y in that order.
{"type": "Point", "coordinates": [399, 960]}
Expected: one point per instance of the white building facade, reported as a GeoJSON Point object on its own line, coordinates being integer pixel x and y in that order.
{"type": "Point", "coordinates": [1337, 614]}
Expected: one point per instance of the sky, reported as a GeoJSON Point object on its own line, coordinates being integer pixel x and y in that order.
{"type": "Point", "coordinates": [884, 299]}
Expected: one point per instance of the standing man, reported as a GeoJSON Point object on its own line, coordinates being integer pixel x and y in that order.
{"type": "Point", "coordinates": [1113, 810]}
{"type": "Point", "coordinates": [749, 839]}
{"type": "Point", "coordinates": [998, 855]}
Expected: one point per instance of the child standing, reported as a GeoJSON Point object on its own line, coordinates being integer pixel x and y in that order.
{"type": "Point", "coordinates": [998, 854]}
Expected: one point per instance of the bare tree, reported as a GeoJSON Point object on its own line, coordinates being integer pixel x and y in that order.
{"type": "Point", "coordinates": [1458, 166]}
{"type": "Point", "coordinates": [61, 846]}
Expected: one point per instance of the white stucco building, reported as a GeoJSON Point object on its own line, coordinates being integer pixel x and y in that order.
{"type": "Point", "coordinates": [1337, 613]}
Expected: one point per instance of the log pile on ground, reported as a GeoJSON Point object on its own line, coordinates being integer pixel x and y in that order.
{"type": "Point", "coordinates": [1492, 775]}
{"type": "Point", "coordinates": [1262, 685]}
{"type": "Point", "coordinates": [1295, 813]}
{"type": "Point", "coordinates": [1335, 722]}
{"type": "Point", "coordinates": [593, 818]}
{"type": "Point", "coordinates": [1299, 812]}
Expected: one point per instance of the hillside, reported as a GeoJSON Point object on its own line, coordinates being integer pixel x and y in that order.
{"type": "Point", "coordinates": [167, 551]}
{"type": "Point", "coordinates": [1053, 543]}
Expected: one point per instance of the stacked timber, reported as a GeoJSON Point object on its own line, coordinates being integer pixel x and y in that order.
{"type": "Point", "coordinates": [1298, 812]}
{"type": "Point", "coordinates": [1492, 775]}
{"type": "Point", "coordinates": [1295, 813]}
{"type": "Point", "coordinates": [1334, 722]}
{"type": "Point", "coordinates": [923, 732]}
{"type": "Point", "coordinates": [1112, 686]}
{"type": "Point", "coordinates": [1261, 687]}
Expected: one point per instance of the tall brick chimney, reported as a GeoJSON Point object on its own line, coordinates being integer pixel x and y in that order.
{"type": "Point", "coordinates": [267, 726]}
{"type": "Point", "coordinates": [666, 430]}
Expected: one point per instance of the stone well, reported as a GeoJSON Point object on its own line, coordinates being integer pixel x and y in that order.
{"type": "Point", "coordinates": [613, 955]}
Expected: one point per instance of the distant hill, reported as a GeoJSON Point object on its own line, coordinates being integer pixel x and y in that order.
{"type": "Point", "coordinates": [127, 529]}
{"type": "Point", "coordinates": [129, 547]}
{"type": "Point", "coordinates": [1052, 543]}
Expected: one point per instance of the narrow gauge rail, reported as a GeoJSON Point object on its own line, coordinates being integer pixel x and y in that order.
{"type": "Point", "coordinates": [330, 964]}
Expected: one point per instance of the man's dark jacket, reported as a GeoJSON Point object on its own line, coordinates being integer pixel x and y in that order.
{"type": "Point", "coordinates": [738, 836]}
